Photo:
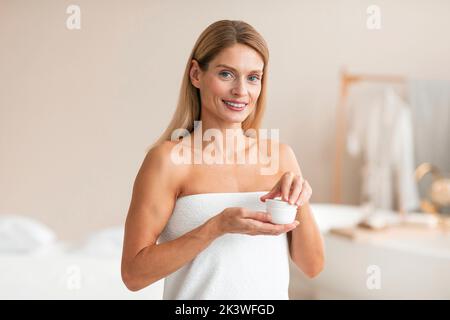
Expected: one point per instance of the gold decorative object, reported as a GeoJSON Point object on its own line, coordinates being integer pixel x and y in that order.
{"type": "Point", "coordinates": [439, 192]}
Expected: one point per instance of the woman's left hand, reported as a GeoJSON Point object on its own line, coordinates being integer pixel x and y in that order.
{"type": "Point", "coordinates": [292, 188]}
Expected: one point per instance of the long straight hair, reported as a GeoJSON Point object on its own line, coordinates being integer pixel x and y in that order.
{"type": "Point", "coordinates": [215, 38]}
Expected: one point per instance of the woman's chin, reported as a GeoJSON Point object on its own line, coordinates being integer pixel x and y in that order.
{"type": "Point", "coordinates": [234, 118]}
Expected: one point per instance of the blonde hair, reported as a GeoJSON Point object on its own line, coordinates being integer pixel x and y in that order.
{"type": "Point", "coordinates": [215, 38]}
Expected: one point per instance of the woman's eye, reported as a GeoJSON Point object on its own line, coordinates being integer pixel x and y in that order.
{"type": "Point", "coordinates": [226, 74]}
{"type": "Point", "coordinates": [254, 78]}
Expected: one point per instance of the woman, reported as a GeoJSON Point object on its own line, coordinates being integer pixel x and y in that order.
{"type": "Point", "coordinates": [202, 225]}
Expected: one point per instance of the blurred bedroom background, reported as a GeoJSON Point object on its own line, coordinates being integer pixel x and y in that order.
{"type": "Point", "coordinates": [359, 89]}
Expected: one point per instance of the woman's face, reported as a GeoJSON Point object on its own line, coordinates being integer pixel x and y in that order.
{"type": "Point", "coordinates": [230, 88]}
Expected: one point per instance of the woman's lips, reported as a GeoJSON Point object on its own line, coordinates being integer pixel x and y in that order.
{"type": "Point", "coordinates": [235, 105]}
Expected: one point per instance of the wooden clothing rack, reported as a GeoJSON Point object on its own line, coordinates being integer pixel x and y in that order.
{"type": "Point", "coordinates": [346, 81]}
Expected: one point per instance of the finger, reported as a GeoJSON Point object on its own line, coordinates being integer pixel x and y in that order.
{"type": "Point", "coordinates": [305, 195]}
{"type": "Point", "coordinates": [296, 190]}
{"type": "Point", "coordinates": [275, 192]}
{"type": "Point", "coordinates": [257, 215]}
{"type": "Point", "coordinates": [283, 228]}
{"type": "Point", "coordinates": [286, 185]}
{"type": "Point", "coordinates": [295, 224]}
{"type": "Point", "coordinates": [302, 190]}
{"type": "Point", "coordinates": [269, 228]}
{"type": "Point", "coordinates": [291, 226]}
{"type": "Point", "coordinates": [273, 229]}
{"type": "Point", "coordinates": [255, 227]}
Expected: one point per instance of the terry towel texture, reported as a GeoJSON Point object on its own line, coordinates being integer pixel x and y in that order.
{"type": "Point", "coordinates": [234, 266]}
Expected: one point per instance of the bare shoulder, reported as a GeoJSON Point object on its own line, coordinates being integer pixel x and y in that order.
{"type": "Point", "coordinates": [154, 194]}
{"type": "Point", "coordinates": [286, 152]}
{"type": "Point", "coordinates": [161, 157]}
{"type": "Point", "coordinates": [159, 171]}
{"type": "Point", "coordinates": [280, 153]}
{"type": "Point", "coordinates": [160, 153]}
{"type": "Point", "coordinates": [276, 147]}
{"type": "Point", "coordinates": [286, 155]}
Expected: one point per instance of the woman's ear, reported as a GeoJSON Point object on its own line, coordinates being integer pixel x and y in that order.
{"type": "Point", "coordinates": [194, 73]}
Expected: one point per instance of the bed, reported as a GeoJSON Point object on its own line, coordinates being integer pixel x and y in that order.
{"type": "Point", "coordinates": [66, 275]}
{"type": "Point", "coordinates": [34, 264]}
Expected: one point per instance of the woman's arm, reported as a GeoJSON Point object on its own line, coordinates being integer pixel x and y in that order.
{"type": "Point", "coordinates": [305, 242]}
{"type": "Point", "coordinates": [154, 194]}
{"type": "Point", "coordinates": [155, 262]}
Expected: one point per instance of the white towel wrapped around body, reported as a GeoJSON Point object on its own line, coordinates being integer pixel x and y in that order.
{"type": "Point", "coordinates": [234, 266]}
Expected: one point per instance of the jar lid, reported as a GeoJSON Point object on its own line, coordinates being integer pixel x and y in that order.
{"type": "Point", "coordinates": [280, 203]}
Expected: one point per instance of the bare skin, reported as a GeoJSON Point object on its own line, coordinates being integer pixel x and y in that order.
{"type": "Point", "coordinates": [160, 182]}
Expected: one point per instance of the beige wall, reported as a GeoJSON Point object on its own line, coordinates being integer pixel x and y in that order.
{"type": "Point", "coordinates": [78, 108]}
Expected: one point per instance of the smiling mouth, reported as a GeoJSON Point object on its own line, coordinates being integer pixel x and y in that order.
{"type": "Point", "coordinates": [234, 106]}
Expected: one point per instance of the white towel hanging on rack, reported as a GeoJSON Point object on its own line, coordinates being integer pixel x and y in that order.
{"type": "Point", "coordinates": [382, 132]}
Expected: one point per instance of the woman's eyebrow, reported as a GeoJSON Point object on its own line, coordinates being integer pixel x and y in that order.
{"type": "Point", "coordinates": [229, 67]}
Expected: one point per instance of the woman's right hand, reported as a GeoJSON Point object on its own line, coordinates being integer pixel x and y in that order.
{"type": "Point", "coordinates": [245, 221]}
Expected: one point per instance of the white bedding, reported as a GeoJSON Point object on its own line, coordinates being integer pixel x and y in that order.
{"type": "Point", "coordinates": [34, 264]}
{"type": "Point", "coordinates": [59, 274]}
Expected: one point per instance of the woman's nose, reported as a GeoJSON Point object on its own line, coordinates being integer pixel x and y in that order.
{"type": "Point", "coordinates": [239, 89]}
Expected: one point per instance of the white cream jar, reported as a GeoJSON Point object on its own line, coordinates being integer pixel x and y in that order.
{"type": "Point", "coordinates": [281, 211]}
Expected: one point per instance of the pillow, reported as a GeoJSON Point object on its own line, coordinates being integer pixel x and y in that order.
{"type": "Point", "coordinates": [19, 234]}
{"type": "Point", "coordinates": [105, 243]}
